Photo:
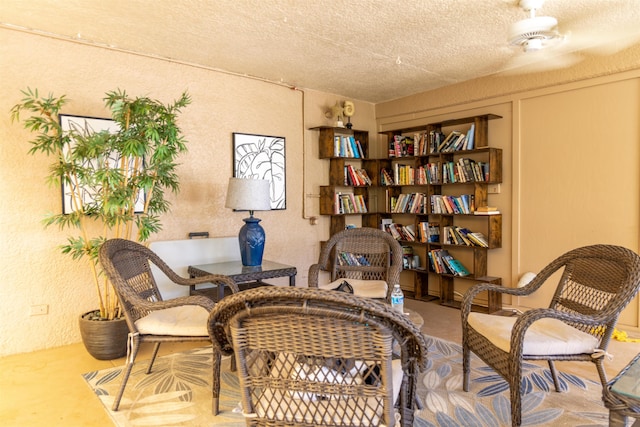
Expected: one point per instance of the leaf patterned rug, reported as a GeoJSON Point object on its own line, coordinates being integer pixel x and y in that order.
{"type": "Point", "coordinates": [178, 393]}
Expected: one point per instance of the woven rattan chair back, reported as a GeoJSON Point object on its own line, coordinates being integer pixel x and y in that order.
{"type": "Point", "coordinates": [380, 255]}
{"type": "Point", "coordinates": [128, 265]}
{"type": "Point", "coordinates": [595, 283]}
{"type": "Point", "coordinates": [313, 357]}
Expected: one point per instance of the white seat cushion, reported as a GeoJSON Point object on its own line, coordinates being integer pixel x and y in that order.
{"type": "Point", "coordinates": [544, 337]}
{"type": "Point", "coordinates": [184, 321]}
{"type": "Point", "coordinates": [361, 288]}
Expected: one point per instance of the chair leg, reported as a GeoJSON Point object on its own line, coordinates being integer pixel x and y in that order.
{"type": "Point", "coordinates": [135, 345]}
{"type": "Point", "coordinates": [153, 357]}
{"type": "Point", "coordinates": [554, 375]}
{"type": "Point", "coordinates": [215, 382]}
{"type": "Point", "coordinates": [516, 404]}
{"type": "Point", "coordinates": [466, 367]}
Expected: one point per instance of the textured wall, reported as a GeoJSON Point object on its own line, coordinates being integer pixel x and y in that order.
{"type": "Point", "coordinates": [34, 272]}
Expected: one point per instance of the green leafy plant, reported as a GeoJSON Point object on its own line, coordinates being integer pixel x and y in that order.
{"type": "Point", "coordinates": [108, 173]}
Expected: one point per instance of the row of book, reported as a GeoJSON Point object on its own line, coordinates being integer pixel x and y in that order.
{"type": "Point", "coordinates": [463, 236]}
{"type": "Point", "coordinates": [443, 204]}
{"type": "Point", "coordinates": [408, 203]}
{"type": "Point", "coordinates": [349, 258]}
{"type": "Point", "coordinates": [347, 146]}
{"type": "Point", "coordinates": [349, 203]}
{"type": "Point", "coordinates": [441, 262]}
{"type": "Point", "coordinates": [465, 170]}
{"type": "Point", "coordinates": [428, 232]}
{"type": "Point", "coordinates": [355, 176]}
{"type": "Point", "coordinates": [401, 232]}
{"type": "Point", "coordinates": [457, 141]}
{"type": "Point", "coordinates": [401, 146]}
{"type": "Point", "coordinates": [435, 141]}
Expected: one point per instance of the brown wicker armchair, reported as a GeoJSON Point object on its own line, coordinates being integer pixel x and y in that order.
{"type": "Point", "coordinates": [381, 253]}
{"type": "Point", "coordinates": [595, 285]}
{"type": "Point", "coordinates": [308, 357]}
{"type": "Point", "coordinates": [150, 319]}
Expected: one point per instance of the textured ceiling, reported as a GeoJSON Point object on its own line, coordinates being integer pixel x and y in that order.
{"type": "Point", "coordinates": [371, 50]}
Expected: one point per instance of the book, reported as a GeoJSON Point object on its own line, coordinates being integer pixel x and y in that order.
{"type": "Point", "coordinates": [457, 267]}
{"type": "Point", "coordinates": [486, 213]}
{"type": "Point", "coordinates": [486, 208]}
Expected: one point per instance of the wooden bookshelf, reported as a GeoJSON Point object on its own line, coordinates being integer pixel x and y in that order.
{"type": "Point", "coordinates": [424, 155]}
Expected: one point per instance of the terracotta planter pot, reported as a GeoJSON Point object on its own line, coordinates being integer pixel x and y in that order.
{"type": "Point", "coordinates": [104, 339]}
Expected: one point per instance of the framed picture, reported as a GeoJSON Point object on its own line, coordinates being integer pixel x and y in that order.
{"type": "Point", "coordinates": [262, 157]}
{"type": "Point", "coordinates": [86, 126]}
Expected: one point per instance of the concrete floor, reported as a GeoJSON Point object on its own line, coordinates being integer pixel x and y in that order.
{"type": "Point", "coordinates": [45, 388]}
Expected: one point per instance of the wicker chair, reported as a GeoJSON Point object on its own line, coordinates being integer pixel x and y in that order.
{"type": "Point", "coordinates": [595, 284]}
{"type": "Point", "coordinates": [309, 357]}
{"type": "Point", "coordinates": [150, 319]}
{"type": "Point", "coordinates": [382, 253]}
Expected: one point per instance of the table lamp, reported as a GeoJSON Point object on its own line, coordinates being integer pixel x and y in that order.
{"type": "Point", "coordinates": [250, 195]}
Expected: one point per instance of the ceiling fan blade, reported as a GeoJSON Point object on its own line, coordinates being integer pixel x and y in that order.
{"type": "Point", "coordinates": [539, 61]}
{"type": "Point", "coordinates": [605, 44]}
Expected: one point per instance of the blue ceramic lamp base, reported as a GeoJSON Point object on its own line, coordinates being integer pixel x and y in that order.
{"type": "Point", "coordinates": [251, 239]}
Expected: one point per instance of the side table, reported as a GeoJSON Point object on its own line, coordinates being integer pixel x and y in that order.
{"type": "Point", "coordinates": [622, 395]}
{"type": "Point", "coordinates": [245, 277]}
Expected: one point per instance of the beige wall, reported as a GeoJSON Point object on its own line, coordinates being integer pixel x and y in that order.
{"type": "Point", "coordinates": [571, 163]}
{"type": "Point", "coordinates": [577, 119]}
{"type": "Point", "coordinates": [33, 270]}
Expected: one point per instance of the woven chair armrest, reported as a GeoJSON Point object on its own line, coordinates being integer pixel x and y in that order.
{"type": "Point", "coordinates": [314, 274]}
{"type": "Point", "coordinates": [470, 295]}
{"type": "Point", "coordinates": [211, 278]}
{"type": "Point", "coordinates": [200, 300]}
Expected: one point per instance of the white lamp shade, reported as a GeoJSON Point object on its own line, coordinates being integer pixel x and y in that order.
{"type": "Point", "coordinates": [248, 194]}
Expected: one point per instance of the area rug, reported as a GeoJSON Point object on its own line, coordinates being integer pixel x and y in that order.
{"type": "Point", "coordinates": [178, 393]}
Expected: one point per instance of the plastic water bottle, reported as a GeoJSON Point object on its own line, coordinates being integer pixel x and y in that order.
{"type": "Point", "coordinates": [397, 298]}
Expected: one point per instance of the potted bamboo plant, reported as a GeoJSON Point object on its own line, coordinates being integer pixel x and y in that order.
{"type": "Point", "coordinates": [115, 182]}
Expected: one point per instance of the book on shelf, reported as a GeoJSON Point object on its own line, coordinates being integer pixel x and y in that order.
{"type": "Point", "coordinates": [386, 177]}
{"type": "Point", "coordinates": [401, 146]}
{"type": "Point", "coordinates": [356, 176]}
{"type": "Point", "coordinates": [443, 204]}
{"type": "Point", "coordinates": [407, 257]}
{"type": "Point", "coordinates": [487, 213]}
{"type": "Point", "coordinates": [471, 136]}
{"type": "Point", "coordinates": [457, 267]}
{"type": "Point", "coordinates": [442, 262]}
{"type": "Point", "coordinates": [384, 222]}
{"type": "Point", "coordinates": [348, 203]}
{"type": "Point", "coordinates": [400, 232]}
{"type": "Point", "coordinates": [486, 210]}
{"type": "Point", "coordinates": [347, 146]}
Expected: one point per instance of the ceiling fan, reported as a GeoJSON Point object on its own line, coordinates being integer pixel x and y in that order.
{"type": "Point", "coordinates": [543, 47]}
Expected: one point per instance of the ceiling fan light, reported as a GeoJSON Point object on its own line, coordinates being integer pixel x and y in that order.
{"type": "Point", "coordinates": [532, 45]}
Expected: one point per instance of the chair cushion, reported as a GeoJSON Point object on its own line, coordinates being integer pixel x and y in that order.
{"type": "Point", "coordinates": [184, 321]}
{"type": "Point", "coordinates": [361, 288]}
{"type": "Point", "coordinates": [544, 337]}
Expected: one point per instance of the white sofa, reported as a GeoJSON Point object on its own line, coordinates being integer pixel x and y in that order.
{"type": "Point", "coordinates": [180, 254]}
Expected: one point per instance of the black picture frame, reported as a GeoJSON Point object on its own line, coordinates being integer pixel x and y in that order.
{"type": "Point", "coordinates": [262, 157]}
{"type": "Point", "coordinates": [86, 125]}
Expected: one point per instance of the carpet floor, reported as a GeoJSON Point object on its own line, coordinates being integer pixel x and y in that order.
{"type": "Point", "coordinates": [178, 392]}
